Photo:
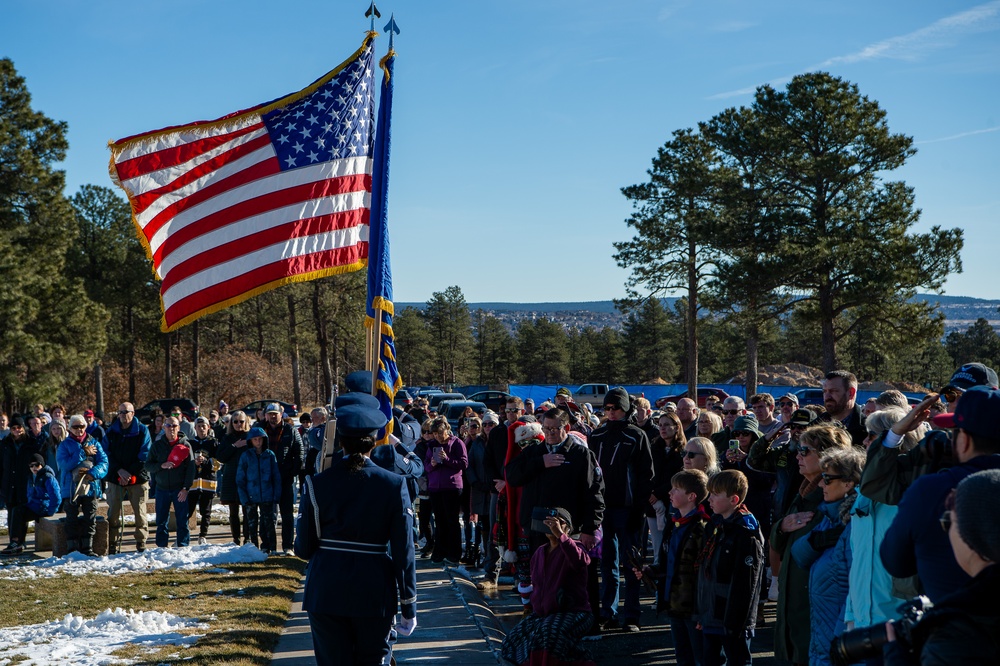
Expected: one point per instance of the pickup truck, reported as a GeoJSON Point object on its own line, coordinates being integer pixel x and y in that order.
{"type": "Point", "coordinates": [592, 393]}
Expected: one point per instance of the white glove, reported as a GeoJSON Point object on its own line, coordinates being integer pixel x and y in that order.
{"type": "Point", "coordinates": [661, 515]}
{"type": "Point", "coordinates": [406, 626]}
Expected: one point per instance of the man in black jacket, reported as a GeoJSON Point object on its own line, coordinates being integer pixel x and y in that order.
{"type": "Point", "coordinates": [493, 464]}
{"type": "Point", "coordinates": [626, 463]}
{"type": "Point", "coordinates": [126, 444]}
{"type": "Point", "coordinates": [561, 472]}
{"type": "Point", "coordinates": [840, 388]}
{"type": "Point", "coordinates": [284, 440]}
{"type": "Point", "coordinates": [16, 452]}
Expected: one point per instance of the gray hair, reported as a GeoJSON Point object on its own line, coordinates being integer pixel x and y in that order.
{"type": "Point", "coordinates": [879, 422]}
{"type": "Point", "coordinates": [892, 398]}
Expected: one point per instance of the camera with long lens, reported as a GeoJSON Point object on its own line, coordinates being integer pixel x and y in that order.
{"type": "Point", "coordinates": [866, 642]}
{"type": "Point", "coordinates": [938, 449]}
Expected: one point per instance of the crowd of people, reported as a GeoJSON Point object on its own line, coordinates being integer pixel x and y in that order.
{"type": "Point", "coordinates": [834, 512]}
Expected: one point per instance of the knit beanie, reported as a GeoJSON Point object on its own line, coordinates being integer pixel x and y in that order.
{"type": "Point", "coordinates": [618, 397]}
{"type": "Point", "coordinates": [977, 524]}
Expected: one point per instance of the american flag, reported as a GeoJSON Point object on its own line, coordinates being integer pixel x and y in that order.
{"type": "Point", "coordinates": [275, 194]}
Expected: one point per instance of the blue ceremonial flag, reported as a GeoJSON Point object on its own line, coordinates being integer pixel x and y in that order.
{"type": "Point", "coordinates": [385, 375]}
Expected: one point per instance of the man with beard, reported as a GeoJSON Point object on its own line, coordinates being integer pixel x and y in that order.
{"type": "Point", "coordinates": [284, 440]}
{"type": "Point", "coordinates": [839, 392]}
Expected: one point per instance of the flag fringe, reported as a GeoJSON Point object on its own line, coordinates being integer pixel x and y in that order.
{"type": "Point", "coordinates": [384, 65]}
{"type": "Point", "coordinates": [291, 279]}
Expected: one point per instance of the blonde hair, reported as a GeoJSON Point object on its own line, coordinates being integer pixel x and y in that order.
{"type": "Point", "coordinates": [706, 447]}
{"type": "Point", "coordinates": [230, 427]}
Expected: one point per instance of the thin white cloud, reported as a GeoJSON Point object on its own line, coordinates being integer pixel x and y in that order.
{"type": "Point", "coordinates": [912, 46]}
{"type": "Point", "coordinates": [940, 34]}
{"type": "Point", "coordinates": [953, 137]}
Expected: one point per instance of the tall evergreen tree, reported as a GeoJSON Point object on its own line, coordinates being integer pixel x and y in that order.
{"type": "Point", "coordinates": [414, 349]}
{"type": "Point", "coordinates": [449, 321]}
{"type": "Point", "coordinates": [543, 353]}
{"type": "Point", "coordinates": [648, 341]}
{"type": "Point", "coordinates": [495, 349]}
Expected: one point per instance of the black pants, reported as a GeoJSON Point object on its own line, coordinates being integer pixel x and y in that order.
{"type": "Point", "coordinates": [286, 505]}
{"type": "Point", "coordinates": [340, 641]}
{"type": "Point", "coordinates": [20, 516]}
{"type": "Point", "coordinates": [81, 519]}
{"type": "Point", "coordinates": [261, 521]}
{"type": "Point", "coordinates": [239, 531]}
{"type": "Point", "coordinates": [203, 500]}
{"type": "Point", "coordinates": [448, 544]}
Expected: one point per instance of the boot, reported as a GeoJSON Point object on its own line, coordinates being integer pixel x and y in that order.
{"type": "Point", "coordinates": [475, 557]}
{"type": "Point", "coordinates": [72, 545]}
{"type": "Point", "coordinates": [87, 546]}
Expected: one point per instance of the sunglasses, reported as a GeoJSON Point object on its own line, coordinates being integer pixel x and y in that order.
{"type": "Point", "coordinates": [474, 426]}
{"type": "Point", "coordinates": [785, 403]}
{"type": "Point", "coordinates": [805, 450]}
{"type": "Point", "coordinates": [237, 422]}
{"type": "Point", "coordinates": [167, 425]}
{"type": "Point", "coordinates": [730, 412]}
{"type": "Point", "coordinates": [78, 427]}
{"type": "Point", "coordinates": [692, 454]}
{"type": "Point", "coordinates": [743, 433]}
{"type": "Point", "coordinates": [609, 408]}
{"type": "Point", "coordinates": [512, 411]}
{"type": "Point", "coordinates": [827, 478]}
{"type": "Point", "coordinates": [123, 412]}
{"type": "Point", "coordinates": [951, 394]}
{"type": "Point", "coordinates": [34, 465]}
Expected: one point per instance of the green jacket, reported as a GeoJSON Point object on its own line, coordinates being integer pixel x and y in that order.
{"type": "Point", "coordinates": [888, 473]}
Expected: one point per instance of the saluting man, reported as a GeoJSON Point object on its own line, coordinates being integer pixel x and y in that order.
{"type": "Point", "coordinates": [355, 528]}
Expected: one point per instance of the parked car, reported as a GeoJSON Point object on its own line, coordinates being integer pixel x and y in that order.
{"type": "Point", "coordinates": [147, 412]}
{"type": "Point", "coordinates": [809, 396]}
{"type": "Point", "coordinates": [436, 399]}
{"type": "Point", "coordinates": [453, 410]}
{"type": "Point", "coordinates": [403, 399]}
{"type": "Point", "coordinates": [702, 394]}
{"type": "Point", "coordinates": [289, 408]}
{"type": "Point", "coordinates": [495, 400]}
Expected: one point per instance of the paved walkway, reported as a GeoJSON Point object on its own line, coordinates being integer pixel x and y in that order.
{"type": "Point", "coordinates": [454, 625]}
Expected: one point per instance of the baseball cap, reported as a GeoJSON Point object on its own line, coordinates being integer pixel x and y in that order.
{"type": "Point", "coordinates": [88, 412]}
{"type": "Point", "coordinates": [972, 374]}
{"type": "Point", "coordinates": [801, 417]}
{"type": "Point", "coordinates": [975, 414]}
{"type": "Point", "coordinates": [274, 407]}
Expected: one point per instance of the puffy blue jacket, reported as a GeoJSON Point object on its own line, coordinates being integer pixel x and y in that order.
{"type": "Point", "coordinates": [829, 570]}
{"type": "Point", "coordinates": [258, 478]}
{"type": "Point", "coordinates": [870, 600]}
{"type": "Point", "coordinates": [71, 456]}
{"type": "Point", "coordinates": [44, 497]}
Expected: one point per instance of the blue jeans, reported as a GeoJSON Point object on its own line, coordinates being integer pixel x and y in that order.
{"type": "Point", "coordinates": [615, 547]}
{"type": "Point", "coordinates": [164, 500]}
{"type": "Point", "coordinates": [689, 647]}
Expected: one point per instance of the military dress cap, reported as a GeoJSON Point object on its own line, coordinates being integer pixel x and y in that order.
{"type": "Point", "coordinates": [362, 399]}
{"type": "Point", "coordinates": [274, 407]}
{"type": "Point", "coordinates": [359, 421]}
{"type": "Point", "coordinates": [359, 381]}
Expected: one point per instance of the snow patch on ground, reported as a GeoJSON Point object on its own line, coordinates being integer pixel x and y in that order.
{"type": "Point", "coordinates": [81, 642]}
{"type": "Point", "coordinates": [154, 559]}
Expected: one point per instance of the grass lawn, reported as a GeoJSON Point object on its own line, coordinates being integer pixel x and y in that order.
{"type": "Point", "coordinates": [246, 610]}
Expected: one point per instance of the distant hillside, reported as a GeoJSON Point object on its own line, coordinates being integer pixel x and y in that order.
{"type": "Point", "coordinates": [959, 311]}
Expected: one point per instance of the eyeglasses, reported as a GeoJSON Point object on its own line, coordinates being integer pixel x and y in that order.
{"type": "Point", "coordinates": [551, 430]}
{"type": "Point", "coordinates": [827, 478]}
{"type": "Point", "coordinates": [692, 454]}
{"type": "Point", "coordinates": [78, 427]}
{"type": "Point", "coordinates": [945, 521]}
{"type": "Point", "coordinates": [515, 410]}
{"type": "Point", "coordinates": [123, 412]}
{"type": "Point", "coordinates": [786, 403]}
{"type": "Point", "coordinates": [168, 425]}
{"type": "Point", "coordinates": [730, 412]}
{"type": "Point", "coordinates": [805, 450]}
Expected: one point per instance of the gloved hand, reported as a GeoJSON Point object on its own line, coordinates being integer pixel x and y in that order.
{"type": "Point", "coordinates": [406, 626]}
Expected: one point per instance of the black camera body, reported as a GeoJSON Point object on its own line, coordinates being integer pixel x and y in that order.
{"type": "Point", "coordinates": [938, 450]}
{"type": "Point", "coordinates": [860, 644]}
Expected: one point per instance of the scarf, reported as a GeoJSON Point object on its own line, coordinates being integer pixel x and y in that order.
{"type": "Point", "coordinates": [714, 536]}
{"type": "Point", "coordinates": [698, 514]}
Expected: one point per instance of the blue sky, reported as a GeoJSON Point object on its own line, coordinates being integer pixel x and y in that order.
{"type": "Point", "coordinates": [516, 123]}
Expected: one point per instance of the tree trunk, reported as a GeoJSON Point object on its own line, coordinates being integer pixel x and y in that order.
{"type": "Point", "coordinates": [322, 339]}
{"type": "Point", "coordinates": [828, 338]}
{"type": "Point", "coordinates": [131, 355]}
{"type": "Point", "coordinates": [195, 366]}
{"type": "Point", "coordinates": [294, 338]}
{"type": "Point", "coordinates": [99, 390]}
{"type": "Point", "coordinates": [751, 383]}
{"type": "Point", "coordinates": [168, 376]}
{"type": "Point", "coordinates": [335, 375]}
{"type": "Point", "coordinates": [692, 322]}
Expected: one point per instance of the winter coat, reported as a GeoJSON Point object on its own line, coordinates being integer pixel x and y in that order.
{"type": "Point", "coordinates": [287, 448]}
{"type": "Point", "coordinates": [870, 599]}
{"type": "Point", "coordinates": [915, 542]}
{"type": "Point", "coordinates": [963, 628]}
{"type": "Point", "coordinates": [729, 569]}
{"type": "Point", "coordinates": [576, 485]}
{"type": "Point", "coordinates": [44, 496]}
{"type": "Point", "coordinates": [71, 456]}
{"type": "Point", "coordinates": [666, 463]}
{"type": "Point", "coordinates": [177, 478]}
{"type": "Point", "coordinates": [229, 455]}
{"type": "Point", "coordinates": [128, 449]}
{"type": "Point", "coordinates": [826, 553]}
{"type": "Point", "coordinates": [204, 474]}
{"type": "Point", "coordinates": [14, 458]}
{"type": "Point", "coordinates": [258, 477]}
{"type": "Point", "coordinates": [791, 631]}
{"type": "Point", "coordinates": [447, 476]}
{"type": "Point", "coordinates": [626, 464]}
{"type": "Point", "coordinates": [679, 588]}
